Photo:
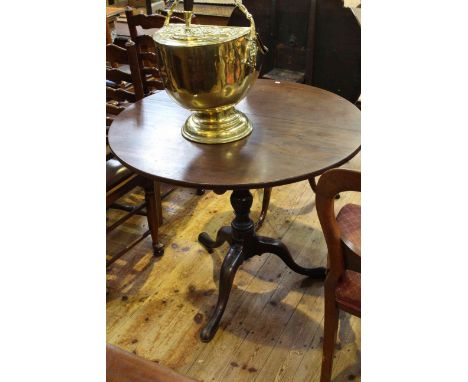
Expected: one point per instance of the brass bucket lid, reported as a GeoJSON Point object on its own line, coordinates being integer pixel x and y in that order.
{"type": "Point", "coordinates": [188, 35]}
{"type": "Point", "coordinates": [198, 35]}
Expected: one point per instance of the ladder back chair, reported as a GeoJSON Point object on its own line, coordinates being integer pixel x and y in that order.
{"type": "Point", "coordinates": [123, 81]}
{"type": "Point", "coordinates": [343, 237]}
{"type": "Point", "coordinates": [124, 87]}
{"type": "Point", "coordinates": [146, 49]}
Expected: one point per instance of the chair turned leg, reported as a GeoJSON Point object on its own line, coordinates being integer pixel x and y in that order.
{"type": "Point", "coordinates": [153, 216]}
{"type": "Point", "coordinates": [157, 192]}
{"type": "Point", "coordinates": [329, 336]}
{"type": "Point", "coordinates": [224, 234]}
{"type": "Point", "coordinates": [265, 204]}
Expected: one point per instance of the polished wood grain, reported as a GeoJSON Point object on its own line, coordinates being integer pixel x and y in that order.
{"type": "Point", "coordinates": [299, 132]}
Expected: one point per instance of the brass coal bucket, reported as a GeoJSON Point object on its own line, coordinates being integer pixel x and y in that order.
{"type": "Point", "coordinates": [208, 69]}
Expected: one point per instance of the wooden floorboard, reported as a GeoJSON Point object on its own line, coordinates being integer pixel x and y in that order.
{"type": "Point", "coordinates": [273, 325]}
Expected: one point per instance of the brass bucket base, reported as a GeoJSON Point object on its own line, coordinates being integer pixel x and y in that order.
{"type": "Point", "coordinates": [221, 125]}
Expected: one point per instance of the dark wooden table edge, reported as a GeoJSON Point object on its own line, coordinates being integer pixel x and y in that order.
{"type": "Point", "coordinates": [247, 186]}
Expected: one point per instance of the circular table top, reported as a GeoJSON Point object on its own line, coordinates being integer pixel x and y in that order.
{"type": "Point", "coordinates": [299, 131]}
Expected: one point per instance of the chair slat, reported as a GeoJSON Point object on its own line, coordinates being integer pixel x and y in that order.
{"type": "Point", "coordinates": [114, 109]}
{"type": "Point", "coordinates": [145, 45]}
{"type": "Point", "coordinates": [147, 21]}
{"type": "Point", "coordinates": [151, 71]}
{"type": "Point", "coordinates": [150, 56]}
{"type": "Point", "coordinates": [115, 53]}
{"type": "Point", "coordinates": [117, 75]}
{"type": "Point", "coordinates": [155, 84]}
{"type": "Point", "coordinates": [120, 95]}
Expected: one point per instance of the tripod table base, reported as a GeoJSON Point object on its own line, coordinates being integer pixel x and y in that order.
{"type": "Point", "coordinates": [244, 244]}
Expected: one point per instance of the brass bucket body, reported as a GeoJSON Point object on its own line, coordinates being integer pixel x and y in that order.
{"type": "Point", "coordinates": [208, 70]}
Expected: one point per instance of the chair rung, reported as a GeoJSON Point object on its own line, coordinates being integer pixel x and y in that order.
{"type": "Point", "coordinates": [124, 218]}
{"type": "Point", "coordinates": [127, 248]}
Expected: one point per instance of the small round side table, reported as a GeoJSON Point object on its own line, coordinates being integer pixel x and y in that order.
{"type": "Point", "coordinates": [299, 132]}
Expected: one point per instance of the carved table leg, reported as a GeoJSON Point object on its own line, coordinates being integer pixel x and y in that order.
{"type": "Point", "coordinates": [313, 184]}
{"type": "Point", "coordinates": [231, 263]}
{"type": "Point", "coordinates": [244, 244]}
{"type": "Point", "coordinates": [276, 247]}
{"type": "Point", "coordinates": [224, 234]}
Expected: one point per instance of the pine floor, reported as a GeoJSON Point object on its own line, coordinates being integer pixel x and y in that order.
{"type": "Point", "coordinates": [273, 325]}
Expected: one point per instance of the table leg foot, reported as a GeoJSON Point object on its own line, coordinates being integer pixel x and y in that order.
{"type": "Point", "coordinates": [276, 247]}
{"type": "Point", "coordinates": [158, 250]}
{"type": "Point", "coordinates": [224, 234]}
{"type": "Point", "coordinates": [231, 263]}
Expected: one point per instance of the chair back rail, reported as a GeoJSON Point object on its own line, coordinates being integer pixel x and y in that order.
{"type": "Point", "coordinates": [114, 109]}
{"type": "Point", "coordinates": [116, 75]}
{"type": "Point", "coordinates": [330, 184]}
{"type": "Point", "coordinates": [342, 286]}
{"type": "Point", "coordinates": [150, 56]}
{"type": "Point", "coordinates": [124, 56]}
{"type": "Point", "coordinates": [145, 46]}
{"type": "Point", "coordinates": [120, 95]}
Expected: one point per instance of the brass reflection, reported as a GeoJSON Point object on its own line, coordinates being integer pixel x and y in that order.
{"type": "Point", "coordinates": [208, 70]}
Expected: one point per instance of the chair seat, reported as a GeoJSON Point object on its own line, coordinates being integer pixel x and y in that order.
{"type": "Point", "coordinates": [348, 292]}
{"type": "Point", "coordinates": [115, 173]}
{"type": "Point", "coordinates": [349, 220]}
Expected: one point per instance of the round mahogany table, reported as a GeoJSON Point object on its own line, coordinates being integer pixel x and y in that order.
{"type": "Point", "coordinates": [299, 132]}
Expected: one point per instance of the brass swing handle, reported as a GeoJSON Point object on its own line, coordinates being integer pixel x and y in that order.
{"type": "Point", "coordinates": [171, 11]}
{"type": "Point", "coordinates": [188, 5]}
{"type": "Point", "coordinates": [253, 33]}
{"type": "Point", "coordinates": [188, 11]}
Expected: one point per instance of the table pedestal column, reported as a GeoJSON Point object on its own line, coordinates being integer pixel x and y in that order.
{"type": "Point", "coordinates": [244, 244]}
